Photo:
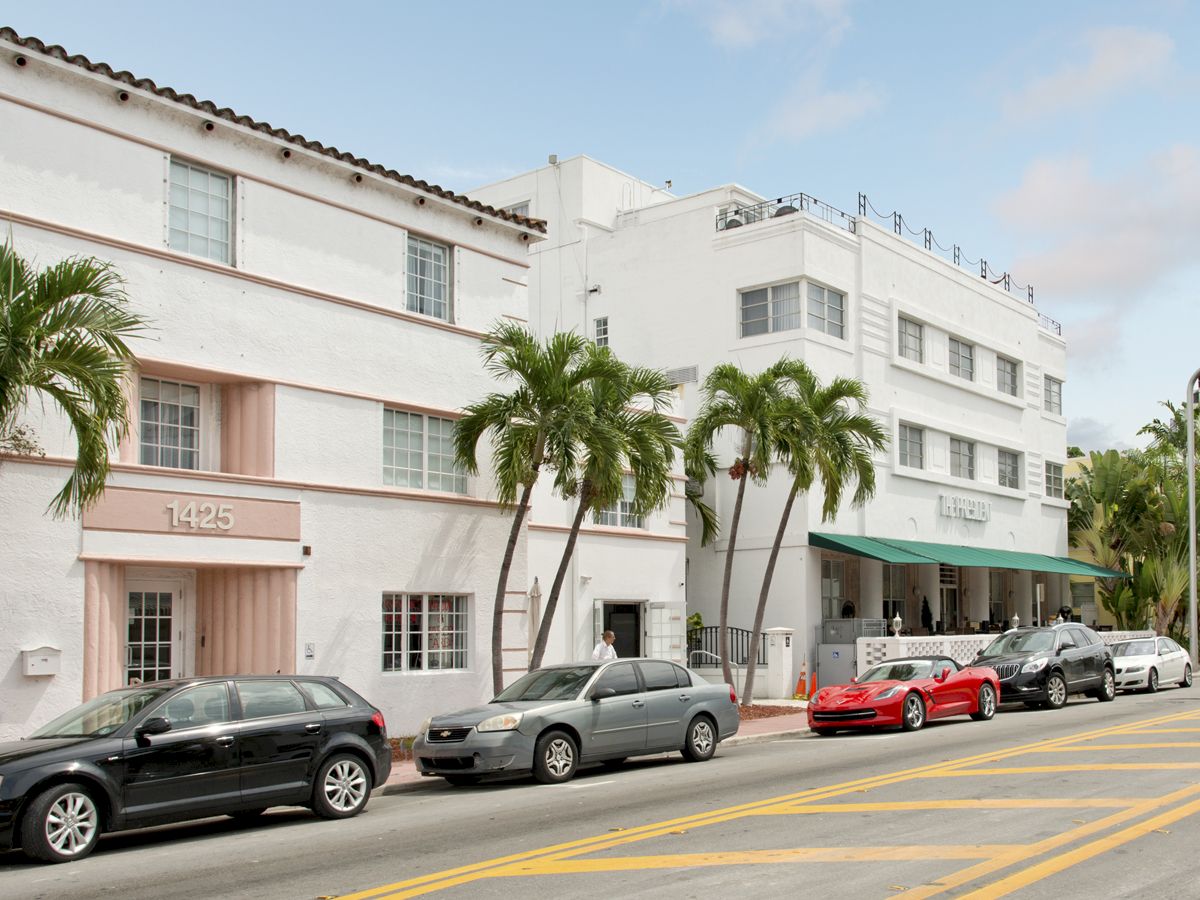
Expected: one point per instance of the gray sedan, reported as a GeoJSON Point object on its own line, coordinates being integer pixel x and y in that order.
{"type": "Point", "coordinates": [552, 719]}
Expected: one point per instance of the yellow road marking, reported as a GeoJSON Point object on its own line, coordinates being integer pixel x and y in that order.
{"type": "Point", "coordinates": [917, 805]}
{"type": "Point", "coordinates": [1169, 745]}
{"type": "Point", "coordinates": [1163, 731]}
{"type": "Point", "coordinates": [1065, 767]}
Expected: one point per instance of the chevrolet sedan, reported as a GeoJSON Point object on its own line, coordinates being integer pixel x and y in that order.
{"type": "Point", "coordinates": [553, 719]}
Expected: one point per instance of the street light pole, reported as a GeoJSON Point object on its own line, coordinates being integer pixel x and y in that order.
{"type": "Point", "coordinates": [1191, 476]}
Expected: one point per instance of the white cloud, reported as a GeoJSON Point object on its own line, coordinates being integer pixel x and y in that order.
{"type": "Point", "coordinates": [741, 24]}
{"type": "Point", "coordinates": [1092, 434]}
{"type": "Point", "coordinates": [810, 109]}
{"type": "Point", "coordinates": [1119, 59]}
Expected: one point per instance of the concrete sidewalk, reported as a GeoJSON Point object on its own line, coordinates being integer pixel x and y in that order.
{"type": "Point", "coordinates": [405, 777]}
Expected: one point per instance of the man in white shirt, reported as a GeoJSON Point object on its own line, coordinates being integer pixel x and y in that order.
{"type": "Point", "coordinates": [605, 649]}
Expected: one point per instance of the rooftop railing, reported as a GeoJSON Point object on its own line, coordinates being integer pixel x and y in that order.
{"type": "Point", "coordinates": [784, 206]}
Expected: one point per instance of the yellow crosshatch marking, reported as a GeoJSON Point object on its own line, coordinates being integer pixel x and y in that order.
{"type": "Point", "coordinates": [566, 857]}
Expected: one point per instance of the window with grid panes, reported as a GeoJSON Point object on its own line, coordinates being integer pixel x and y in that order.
{"type": "Point", "coordinates": [621, 514]}
{"type": "Point", "coordinates": [1053, 395]}
{"type": "Point", "coordinates": [424, 632]}
{"type": "Point", "coordinates": [911, 339]}
{"type": "Point", "coordinates": [962, 359]}
{"type": "Point", "coordinates": [418, 451]}
{"type": "Point", "coordinates": [962, 458]}
{"type": "Point", "coordinates": [200, 220]}
{"type": "Point", "coordinates": [833, 587]}
{"type": "Point", "coordinates": [826, 310]}
{"type": "Point", "coordinates": [169, 427]}
{"type": "Point", "coordinates": [601, 331]}
{"type": "Point", "coordinates": [1006, 376]}
{"type": "Point", "coordinates": [771, 309]}
{"type": "Point", "coordinates": [894, 580]}
{"type": "Point", "coordinates": [428, 278]}
{"type": "Point", "coordinates": [1054, 480]}
{"type": "Point", "coordinates": [1009, 469]}
{"type": "Point", "coordinates": [911, 447]}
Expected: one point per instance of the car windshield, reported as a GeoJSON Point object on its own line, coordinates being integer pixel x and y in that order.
{"type": "Point", "coordinates": [906, 670]}
{"type": "Point", "coordinates": [549, 684]}
{"type": "Point", "coordinates": [1020, 642]}
{"type": "Point", "coordinates": [1134, 648]}
{"type": "Point", "coordinates": [101, 715]}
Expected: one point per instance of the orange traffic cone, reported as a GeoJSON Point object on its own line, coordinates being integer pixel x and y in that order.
{"type": "Point", "coordinates": [812, 686]}
{"type": "Point", "coordinates": [802, 681]}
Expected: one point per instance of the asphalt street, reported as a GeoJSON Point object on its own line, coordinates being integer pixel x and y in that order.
{"type": "Point", "coordinates": [1092, 800]}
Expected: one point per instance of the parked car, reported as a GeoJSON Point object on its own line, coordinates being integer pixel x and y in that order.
{"type": "Point", "coordinates": [553, 719]}
{"type": "Point", "coordinates": [185, 749]}
{"type": "Point", "coordinates": [1146, 663]}
{"type": "Point", "coordinates": [1042, 666]}
{"type": "Point", "coordinates": [905, 692]}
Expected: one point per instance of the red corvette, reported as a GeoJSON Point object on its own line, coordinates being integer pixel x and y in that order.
{"type": "Point", "coordinates": [906, 692]}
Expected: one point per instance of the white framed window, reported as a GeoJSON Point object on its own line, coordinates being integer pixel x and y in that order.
{"type": "Point", "coordinates": [600, 329]}
{"type": "Point", "coordinates": [770, 309]}
{"type": "Point", "coordinates": [425, 632]}
{"type": "Point", "coordinates": [418, 451]}
{"type": "Point", "coordinates": [621, 514]}
{"type": "Point", "coordinates": [962, 458]}
{"type": "Point", "coordinates": [962, 359]}
{"type": "Point", "coordinates": [1009, 469]}
{"type": "Point", "coordinates": [428, 278]}
{"type": "Point", "coordinates": [833, 587]}
{"type": "Point", "coordinates": [518, 209]}
{"type": "Point", "coordinates": [200, 212]}
{"type": "Point", "coordinates": [1006, 376]}
{"type": "Point", "coordinates": [1053, 395]}
{"type": "Point", "coordinates": [1054, 480]}
{"type": "Point", "coordinates": [911, 447]}
{"type": "Point", "coordinates": [826, 311]}
{"type": "Point", "coordinates": [169, 424]}
{"type": "Point", "coordinates": [911, 339]}
{"type": "Point", "coordinates": [894, 580]}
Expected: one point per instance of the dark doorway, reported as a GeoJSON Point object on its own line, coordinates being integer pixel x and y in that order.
{"type": "Point", "coordinates": [625, 621]}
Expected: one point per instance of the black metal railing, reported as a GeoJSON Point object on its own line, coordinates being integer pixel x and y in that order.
{"type": "Point", "coordinates": [784, 206]}
{"type": "Point", "coordinates": [708, 640]}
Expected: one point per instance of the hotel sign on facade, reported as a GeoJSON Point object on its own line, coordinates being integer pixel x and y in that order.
{"type": "Point", "coordinates": [955, 507]}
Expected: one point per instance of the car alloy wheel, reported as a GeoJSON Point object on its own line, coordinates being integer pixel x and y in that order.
{"type": "Point", "coordinates": [1108, 688]}
{"type": "Point", "coordinates": [1187, 676]}
{"type": "Point", "coordinates": [1056, 691]}
{"type": "Point", "coordinates": [987, 704]}
{"type": "Point", "coordinates": [701, 741]}
{"type": "Point", "coordinates": [1152, 681]}
{"type": "Point", "coordinates": [62, 824]}
{"type": "Point", "coordinates": [555, 758]}
{"type": "Point", "coordinates": [914, 712]}
{"type": "Point", "coordinates": [343, 787]}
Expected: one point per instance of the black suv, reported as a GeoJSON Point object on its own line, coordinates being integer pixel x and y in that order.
{"type": "Point", "coordinates": [1041, 666]}
{"type": "Point", "coordinates": [185, 749]}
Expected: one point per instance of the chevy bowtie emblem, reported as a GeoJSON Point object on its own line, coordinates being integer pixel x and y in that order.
{"type": "Point", "coordinates": [445, 734]}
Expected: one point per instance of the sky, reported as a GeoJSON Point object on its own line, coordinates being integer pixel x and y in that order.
{"type": "Point", "coordinates": [1059, 141]}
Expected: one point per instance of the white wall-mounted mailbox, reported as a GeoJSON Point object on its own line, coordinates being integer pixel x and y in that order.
{"type": "Point", "coordinates": [42, 661]}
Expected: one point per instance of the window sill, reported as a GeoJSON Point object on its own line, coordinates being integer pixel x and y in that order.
{"type": "Point", "coordinates": [973, 387]}
{"type": "Point", "coordinates": [952, 481]}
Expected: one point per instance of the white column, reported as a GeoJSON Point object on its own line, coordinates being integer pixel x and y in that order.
{"type": "Point", "coordinates": [870, 588]}
{"type": "Point", "coordinates": [1022, 604]}
{"type": "Point", "coordinates": [978, 584]}
{"type": "Point", "coordinates": [928, 581]}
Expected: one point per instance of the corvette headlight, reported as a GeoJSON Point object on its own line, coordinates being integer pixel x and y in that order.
{"type": "Point", "coordinates": [890, 692]}
{"type": "Point", "coordinates": [505, 722]}
{"type": "Point", "coordinates": [1035, 665]}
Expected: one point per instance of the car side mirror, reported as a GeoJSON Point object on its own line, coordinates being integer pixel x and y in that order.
{"type": "Point", "coordinates": [1067, 644]}
{"type": "Point", "coordinates": [601, 692]}
{"type": "Point", "coordinates": [153, 725]}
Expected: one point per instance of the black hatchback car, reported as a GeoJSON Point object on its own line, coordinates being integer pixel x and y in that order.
{"type": "Point", "coordinates": [173, 750]}
{"type": "Point", "coordinates": [1042, 666]}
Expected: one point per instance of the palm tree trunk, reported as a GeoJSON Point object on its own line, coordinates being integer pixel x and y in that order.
{"type": "Point", "coordinates": [723, 635]}
{"type": "Point", "coordinates": [502, 590]}
{"type": "Point", "coordinates": [760, 610]}
{"type": "Point", "coordinates": [543, 635]}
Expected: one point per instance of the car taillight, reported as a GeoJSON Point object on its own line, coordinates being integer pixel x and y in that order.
{"type": "Point", "coordinates": [732, 695]}
{"type": "Point", "coordinates": [377, 721]}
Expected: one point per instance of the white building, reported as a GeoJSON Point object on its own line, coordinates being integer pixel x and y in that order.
{"type": "Point", "coordinates": [966, 377]}
{"type": "Point", "coordinates": [288, 499]}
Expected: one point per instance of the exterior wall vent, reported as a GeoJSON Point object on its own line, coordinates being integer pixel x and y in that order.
{"type": "Point", "coordinates": [684, 375]}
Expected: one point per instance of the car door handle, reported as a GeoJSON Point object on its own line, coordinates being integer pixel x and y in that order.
{"type": "Point", "coordinates": [225, 740]}
{"type": "Point", "coordinates": [312, 729]}
{"type": "Point", "coordinates": [638, 704]}
{"type": "Point", "coordinates": [684, 698]}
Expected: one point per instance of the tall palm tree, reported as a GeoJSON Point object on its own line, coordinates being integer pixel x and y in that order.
{"type": "Point", "coordinates": [534, 427]}
{"type": "Point", "coordinates": [62, 335]}
{"type": "Point", "coordinates": [747, 404]}
{"type": "Point", "coordinates": [629, 428]}
{"type": "Point", "coordinates": [822, 433]}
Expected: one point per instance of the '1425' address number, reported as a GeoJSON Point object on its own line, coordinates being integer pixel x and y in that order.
{"type": "Point", "coordinates": [193, 514]}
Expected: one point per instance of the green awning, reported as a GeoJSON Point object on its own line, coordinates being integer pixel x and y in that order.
{"type": "Point", "coordinates": [894, 550]}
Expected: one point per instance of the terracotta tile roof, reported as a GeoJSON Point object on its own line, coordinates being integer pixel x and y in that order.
{"type": "Point", "coordinates": [208, 107]}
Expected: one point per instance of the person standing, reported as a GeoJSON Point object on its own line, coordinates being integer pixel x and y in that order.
{"type": "Point", "coordinates": [605, 649]}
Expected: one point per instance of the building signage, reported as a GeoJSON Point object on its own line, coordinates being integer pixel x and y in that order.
{"type": "Point", "coordinates": [165, 512]}
{"type": "Point", "coordinates": [955, 507]}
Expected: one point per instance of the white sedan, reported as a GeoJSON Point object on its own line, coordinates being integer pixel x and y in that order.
{"type": "Point", "coordinates": [1146, 663]}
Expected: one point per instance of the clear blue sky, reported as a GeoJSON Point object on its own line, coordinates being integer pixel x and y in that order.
{"type": "Point", "coordinates": [1059, 140]}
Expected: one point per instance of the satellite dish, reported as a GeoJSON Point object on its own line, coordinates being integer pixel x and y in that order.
{"type": "Point", "coordinates": [785, 210]}
{"type": "Point", "coordinates": [732, 222]}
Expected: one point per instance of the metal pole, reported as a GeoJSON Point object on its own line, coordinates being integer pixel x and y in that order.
{"type": "Point", "coordinates": [1191, 474]}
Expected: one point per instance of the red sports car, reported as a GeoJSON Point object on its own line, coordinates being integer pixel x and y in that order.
{"type": "Point", "coordinates": [906, 692]}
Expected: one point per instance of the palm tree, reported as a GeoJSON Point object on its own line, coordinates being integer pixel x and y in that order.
{"type": "Point", "coordinates": [536, 426]}
{"type": "Point", "coordinates": [62, 335]}
{"type": "Point", "coordinates": [748, 404]}
{"type": "Point", "coordinates": [822, 433]}
{"type": "Point", "coordinates": [623, 431]}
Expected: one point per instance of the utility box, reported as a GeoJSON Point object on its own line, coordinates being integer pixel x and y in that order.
{"type": "Point", "coordinates": [42, 661]}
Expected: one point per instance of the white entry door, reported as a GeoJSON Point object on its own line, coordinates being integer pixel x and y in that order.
{"type": "Point", "coordinates": [156, 623]}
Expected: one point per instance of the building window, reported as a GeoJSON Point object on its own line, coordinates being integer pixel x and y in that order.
{"type": "Point", "coordinates": [1054, 480]}
{"type": "Point", "coordinates": [996, 596]}
{"type": "Point", "coordinates": [621, 514]}
{"type": "Point", "coordinates": [601, 331]}
{"type": "Point", "coordinates": [893, 593]}
{"type": "Point", "coordinates": [912, 339]}
{"type": "Point", "coordinates": [772, 309]}
{"type": "Point", "coordinates": [428, 278]}
{"type": "Point", "coordinates": [1053, 395]}
{"type": "Point", "coordinates": [518, 209]}
{"type": "Point", "coordinates": [199, 216]}
{"type": "Point", "coordinates": [170, 424]}
{"type": "Point", "coordinates": [833, 587]}
{"type": "Point", "coordinates": [424, 632]}
{"type": "Point", "coordinates": [912, 447]}
{"type": "Point", "coordinates": [1009, 469]}
{"type": "Point", "coordinates": [826, 310]}
{"type": "Point", "coordinates": [1006, 376]}
{"type": "Point", "coordinates": [411, 459]}
{"type": "Point", "coordinates": [962, 359]}
{"type": "Point", "coordinates": [962, 458]}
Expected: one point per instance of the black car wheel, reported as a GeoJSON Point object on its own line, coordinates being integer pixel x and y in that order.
{"type": "Point", "coordinates": [701, 741]}
{"type": "Point", "coordinates": [343, 787]}
{"type": "Point", "coordinates": [1187, 676]}
{"type": "Point", "coordinates": [1056, 691]}
{"type": "Point", "coordinates": [62, 824]}
{"type": "Point", "coordinates": [1152, 681]}
{"type": "Point", "coordinates": [1108, 687]}
{"type": "Point", "coordinates": [462, 780]}
{"type": "Point", "coordinates": [914, 712]}
{"type": "Point", "coordinates": [555, 758]}
{"type": "Point", "coordinates": [987, 704]}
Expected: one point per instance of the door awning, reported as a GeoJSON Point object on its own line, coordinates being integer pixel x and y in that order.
{"type": "Point", "coordinates": [894, 550]}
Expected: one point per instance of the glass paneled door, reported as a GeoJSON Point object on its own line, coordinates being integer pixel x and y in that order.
{"type": "Point", "coordinates": [154, 636]}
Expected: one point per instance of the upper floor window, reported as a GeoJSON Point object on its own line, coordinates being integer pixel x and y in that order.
{"type": "Point", "coordinates": [1009, 469]}
{"type": "Point", "coordinates": [200, 207]}
{"type": "Point", "coordinates": [1006, 376]}
{"type": "Point", "coordinates": [601, 331]}
{"type": "Point", "coordinates": [1054, 480]}
{"type": "Point", "coordinates": [911, 339]}
{"type": "Point", "coordinates": [518, 209]}
{"type": "Point", "coordinates": [424, 631]}
{"type": "Point", "coordinates": [912, 447]}
{"type": "Point", "coordinates": [826, 310]}
{"type": "Point", "coordinates": [170, 424]}
{"type": "Point", "coordinates": [428, 278]}
{"type": "Point", "coordinates": [418, 451]}
{"type": "Point", "coordinates": [962, 359]}
{"type": "Point", "coordinates": [962, 458]}
{"type": "Point", "coordinates": [772, 309]}
{"type": "Point", "coordinates": [621, 513]}
{"type": "Point", "coordinates": [1053, 395]}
